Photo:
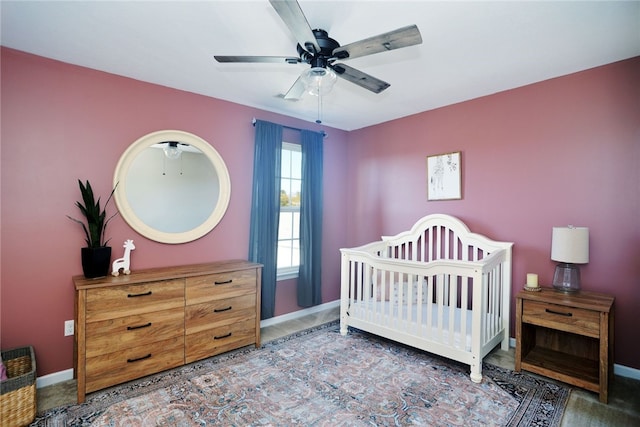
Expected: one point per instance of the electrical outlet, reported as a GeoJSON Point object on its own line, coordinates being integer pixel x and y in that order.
{"type": "Point", "coordinates": [68, 328]}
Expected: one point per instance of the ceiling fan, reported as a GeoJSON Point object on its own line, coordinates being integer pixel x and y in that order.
{"type": "Point", "coordinates": [317, 49]}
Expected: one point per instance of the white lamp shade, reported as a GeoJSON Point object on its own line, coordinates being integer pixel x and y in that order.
{"type": "Point", "coordinates": [570, 244]}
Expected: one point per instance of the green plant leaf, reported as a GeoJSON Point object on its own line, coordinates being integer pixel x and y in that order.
{"type": "Point", "coordinates": [94, 215]}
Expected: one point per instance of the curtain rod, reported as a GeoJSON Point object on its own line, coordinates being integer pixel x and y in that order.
{"type": "Point", "coordinates": [324, 134]}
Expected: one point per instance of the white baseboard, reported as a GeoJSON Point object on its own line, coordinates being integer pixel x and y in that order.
{"type": "Point", "coordinates": [625, 371]}
{"type": "Point", "coordinates": [58, 377]}
{"type": "Point", "coordinates": [300, 313]}
{"type": "Point", "coordinates": [54, 378]}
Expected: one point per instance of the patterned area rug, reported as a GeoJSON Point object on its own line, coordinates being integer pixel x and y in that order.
{"type": "Point", "coordinates": [319, 378]}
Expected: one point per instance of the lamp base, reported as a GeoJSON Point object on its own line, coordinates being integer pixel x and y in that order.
{"type": "Point", "coordinates": [566, 278]}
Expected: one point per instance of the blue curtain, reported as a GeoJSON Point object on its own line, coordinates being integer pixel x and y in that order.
{"type": "Point", "coordinates": [310, 273]}
{"type": "Point", "coordinates": [265, 209]}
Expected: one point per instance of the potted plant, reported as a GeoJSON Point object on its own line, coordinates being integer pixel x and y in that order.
{"type": "Point", "coordinates": [96, 256]}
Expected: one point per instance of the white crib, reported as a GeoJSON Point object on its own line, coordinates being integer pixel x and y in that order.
{"type": "Point", "coordinates": [437, 287]}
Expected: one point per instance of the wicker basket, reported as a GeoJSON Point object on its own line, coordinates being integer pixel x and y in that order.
{"type": "Point", "coordinates": [18, 391]}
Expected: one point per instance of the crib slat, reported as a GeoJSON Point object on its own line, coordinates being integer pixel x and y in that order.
{"type": "Point", "coordinates": [484, 303]}
{"type": "Point", "coordinates": [361, 283]}
{"type": "Point", "coordinates": [456, 243]}
{"type": "Point", "coordinates": [352, 283]}
{"type": "Point", "coordinates": [409, 301]}
{"type": "Point", "coordinates": [440, 297]}
{"type": "Point", "coordinates": [446, 238]}
{"type": "Point", "coordinates": [463, 308]}
{"type": "Point", "coordinates": [430, 281]}
{"type": "Point", "coordinates": [490, 307]}
{"type": "Point", "coordinates": [452, 295]}
{"type": "Point", "coordinates": [495, 304]}
{"type": "Point", "coordinates": [400, 300]}
{"type": "Point", "coordinates": [419, 303]}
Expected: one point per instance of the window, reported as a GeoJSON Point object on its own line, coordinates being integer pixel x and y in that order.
{"type": "Point", "coordinates": [289, 227]}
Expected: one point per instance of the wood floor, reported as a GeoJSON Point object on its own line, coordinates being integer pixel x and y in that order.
{"type": "Point", "coordinates": [583, 408]}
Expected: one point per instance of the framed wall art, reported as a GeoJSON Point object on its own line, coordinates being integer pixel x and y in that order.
{"type": "Point", "coordinates": [444, 177]}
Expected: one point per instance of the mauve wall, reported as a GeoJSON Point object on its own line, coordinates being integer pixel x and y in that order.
{"type": "Point", "coordinates": [564, 151]}
{"type": "Point", "coordinates": [558, 152]}
{"type": "Point", "coordinates": [60, 123]}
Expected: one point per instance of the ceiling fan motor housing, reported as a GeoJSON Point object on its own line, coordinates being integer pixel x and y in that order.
{"type": "Point", "coordinates": [327, 46]}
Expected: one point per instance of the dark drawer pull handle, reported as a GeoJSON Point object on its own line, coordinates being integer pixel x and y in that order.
{"type": "Point", "coordinates": [139, 358]}
{"type": "Point", "coordinates": [558, 312]}
{"type": "Point", "coordinates": [139, 295]}
{"type": "Point", "coordinates": [224, 282]}
{"type": "Point", "coordinates": [131, 328]}
{"type": "Point", "coordinates": [222, 336]}
{"type": "Point", "coordinates": [220, 310]}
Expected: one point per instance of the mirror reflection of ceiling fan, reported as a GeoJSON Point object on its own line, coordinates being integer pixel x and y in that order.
{"type": "Point", "coordinates": [173, 149]}
{"type": "Point", "coordinates": [317, 49]}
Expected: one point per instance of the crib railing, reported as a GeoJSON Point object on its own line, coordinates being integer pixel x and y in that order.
{"type": "Point", "coordinates": [428, 300]}
{"type": "Point", "coordinates": [436, 242]}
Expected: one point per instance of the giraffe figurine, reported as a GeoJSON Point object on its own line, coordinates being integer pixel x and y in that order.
{"type": "Point", "coordinates": [124, 262]}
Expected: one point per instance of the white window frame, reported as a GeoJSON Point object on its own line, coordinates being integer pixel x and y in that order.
{"type": "Point", "coordinates": [285, 273]}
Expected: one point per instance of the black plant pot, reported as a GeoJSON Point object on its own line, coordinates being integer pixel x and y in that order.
{"type": "Point", "coordinates": [96, 262]}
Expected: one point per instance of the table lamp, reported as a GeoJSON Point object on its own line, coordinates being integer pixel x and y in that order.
{"type": "Point", "coordinates": [569, 246]}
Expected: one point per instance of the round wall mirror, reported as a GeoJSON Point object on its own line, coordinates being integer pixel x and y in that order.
{"type": "Point", "coordinates": [172, 186]}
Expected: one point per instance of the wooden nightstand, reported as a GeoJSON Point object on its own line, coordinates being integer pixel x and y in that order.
{"type": "Point", "coordinates": [568, 337]}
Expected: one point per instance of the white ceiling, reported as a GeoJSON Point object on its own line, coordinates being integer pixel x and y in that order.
{"type": "Point", "coordinates": [469, 49]}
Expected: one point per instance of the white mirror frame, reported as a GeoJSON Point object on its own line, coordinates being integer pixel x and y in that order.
{"type": "Point", "coordinates": [120, 184]}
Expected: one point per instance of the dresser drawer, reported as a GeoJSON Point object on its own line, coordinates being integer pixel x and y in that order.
{"type": "Point", "coordinates": [220, 286]}
{"type": "Point", "coordinates": [135, 325]}
{"type": "Point", "coordinates": [117, 334]}
{"type": "Point", "coordinates": [121, 366]}
{"type": "Point", "coordinates": [126, 300]}
{"type": "Point", "coordinates": [210, 315]}
{"type": "Point", "coordinates": [562, 318]}
{"type": "Point", "coordinates": [215, 341]}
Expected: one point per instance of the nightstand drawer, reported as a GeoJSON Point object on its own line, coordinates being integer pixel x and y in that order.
{"type": "Point", "coordinates": [562, 318]}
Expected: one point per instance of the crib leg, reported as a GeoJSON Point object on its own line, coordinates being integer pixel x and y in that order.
{"type": "Point", "coordinates": [343, 328]}
{"type": "Point", "coordinates": [505, 344]}
{"type": "Point", "coordinates": [476, 373]}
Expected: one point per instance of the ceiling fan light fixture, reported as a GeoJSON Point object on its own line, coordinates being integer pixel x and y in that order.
{"type": "Point", "coordinates": [319, 81]}
{"type": "Point", "coordinates": [171, 150]}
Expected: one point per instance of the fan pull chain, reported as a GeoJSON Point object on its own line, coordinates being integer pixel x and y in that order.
{"type": "Point", "coordinates": [164, 166]}
{"type": "Point", "coordinates": [319, 119]}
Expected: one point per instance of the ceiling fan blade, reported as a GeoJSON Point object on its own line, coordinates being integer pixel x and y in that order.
{"type": "Point", "coordinates": [402, 37]}
{"type": "Point", "coordinates": [296, 91]}
{"type": "Point", "coordinates": [293, 17]}
{"type": "Point", "coordinates": [275, 59]}
{"type": "Point", "coordinates": [358, 77]}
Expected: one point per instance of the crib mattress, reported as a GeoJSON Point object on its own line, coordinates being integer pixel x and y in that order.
{"type": "Point", "coordinates": [389, 314]}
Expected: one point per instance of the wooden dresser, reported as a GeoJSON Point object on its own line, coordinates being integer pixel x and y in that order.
{"type": "Point", "coordinates": [127, 327]}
